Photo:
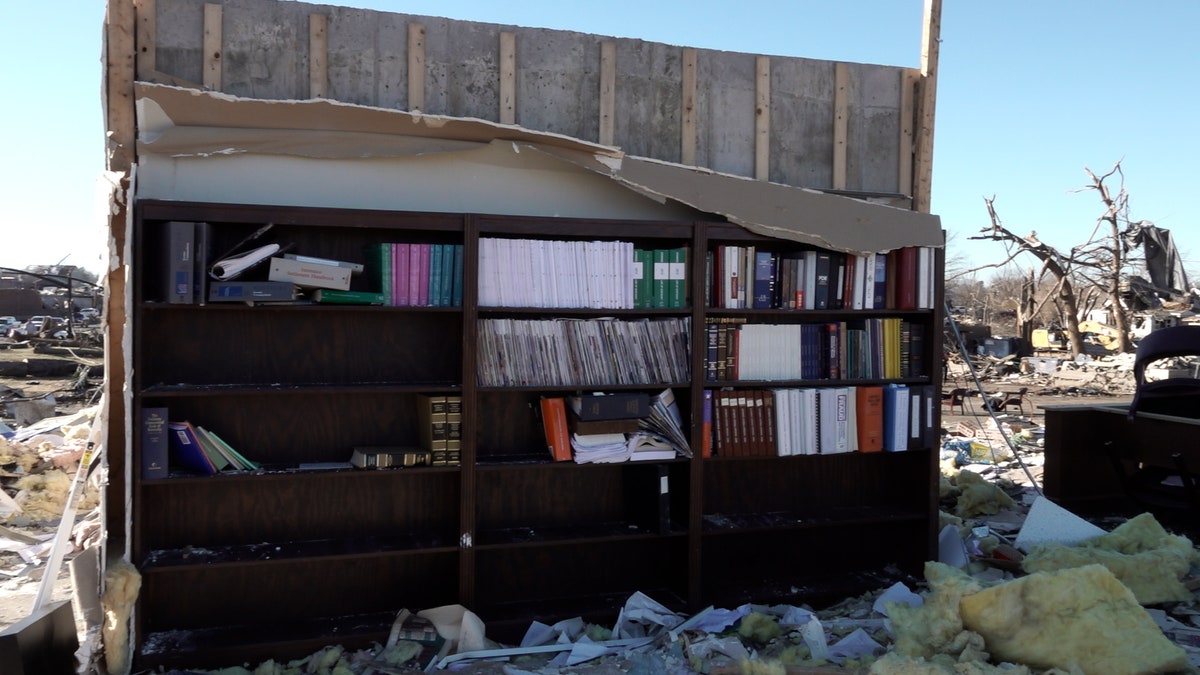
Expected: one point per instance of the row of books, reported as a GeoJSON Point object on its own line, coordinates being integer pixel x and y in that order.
{"type": "Point", "coordinates": [556, 352]}
{"type": "Point", "coordinates": [614, 427]}
{"type": "Point", "coordinates": [183, 445]}
{"type": "Point", "coordinates": [819, 421]}
{"type": "Point", "coordinates": [416, 274]}
{"type": "Point", "coordinates": [870, 348]}
{"type": "Point", "coordinates": [580, 274]}
{"type": "Point", "coordinates": [748, 277]}
{"type": "Point", "coordinates": [439, 431]}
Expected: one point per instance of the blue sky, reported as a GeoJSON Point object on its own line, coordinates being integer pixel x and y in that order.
{"type": "Point", "coordinates": [1030, 94]}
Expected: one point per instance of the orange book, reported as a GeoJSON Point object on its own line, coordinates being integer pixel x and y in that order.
{"type": "Point", "coordinates": [554, 418]}
{"type": "Point", "coordinates": [869, 408]}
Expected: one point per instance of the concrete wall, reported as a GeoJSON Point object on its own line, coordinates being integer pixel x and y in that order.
{"type": "Point", "coordinates": [265, 54]}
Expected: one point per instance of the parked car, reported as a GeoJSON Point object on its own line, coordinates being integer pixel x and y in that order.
{"type": "Point", "coordinates": [7, 322]}
{"type": "Point", "coordinates": [33, 328]}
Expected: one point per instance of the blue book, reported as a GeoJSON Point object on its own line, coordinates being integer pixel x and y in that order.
{"type": "Point", "coordinates": [456, 299]}
{"type": "Point", "coordinates": [186, 448]}
{"type": "Point", "coordinates": [764, 274]}
{"type": "Point", "coordinates": [154, 443]}
{"type": "Point", "coordinates": [446, 287]}
{"type": "Point", "coordinates": [895, 417]}
{"type": "Point", "coordinates": [880, 282]}
{"type": "Point", "coordinates": [434, 292]}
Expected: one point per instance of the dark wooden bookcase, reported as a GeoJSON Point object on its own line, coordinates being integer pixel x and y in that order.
{"type": "Point", "coordinates": [280, 562]}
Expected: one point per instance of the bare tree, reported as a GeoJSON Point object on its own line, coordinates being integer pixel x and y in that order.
{"type": "Point", "coordinates": [1104, 253]}
{"type": "Point", "coordinates": [1053, 263]}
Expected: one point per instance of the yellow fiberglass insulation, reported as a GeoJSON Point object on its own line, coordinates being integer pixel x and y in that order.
{"type": "Point", "coordinates": [1139, 552]}
{"type": "Point", "coordinates": [935, 627]}
{"type": "Point", "coordinates": [978, 497]}
{"type": "Point", "coordinates": [121, 585]}
{"type": "Point", "coordinates": [896, 664]}
{"type": "Point", "coordinates": [1081, 619]}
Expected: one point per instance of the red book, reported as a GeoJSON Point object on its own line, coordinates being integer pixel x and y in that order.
{"type": "Point", "coordinates": [706, 441]}
{"type": "Point", "coordinates": [869, 409]}
{"type": "Point", "coordinates": [554, 419]}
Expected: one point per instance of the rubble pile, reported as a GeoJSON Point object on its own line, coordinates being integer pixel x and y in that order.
{"type": "Point", "coordinates": [1084, 375]}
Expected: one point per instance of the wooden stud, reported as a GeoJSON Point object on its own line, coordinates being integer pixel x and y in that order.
{"type": "Point", "coordinates": [508, 78]}
{"type": "Point", "coordinates": [120, 28]}
{"type": "Point", "coordinates": [687, 141]}
{"type": "Point", "coordinates": [147, 28]}
{"type": "Point", "coordinates": [608, 92]}
{"type": "Point", "coordinates": [416, 67]}
{"type": "Point", "coordinates": [908, 84]}
{"type": "Point", "coordinates": [762, 118]}
{"type": "Point", "coordinates": [926, 104]}
{"type": "Point", "coordinates": [212, 47]}
{"type": "Point", "coordinates": [318, 56]}
{"type": "Point", "coordinates": [841, 122]}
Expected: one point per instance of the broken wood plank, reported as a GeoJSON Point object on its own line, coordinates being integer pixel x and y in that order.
{"type": "Point", "coordinates": [687, 142]}
{"type": "Point", "coordinates": [147, 29]}
{"type": "Point", "coordinates": [608, 91]}
{"type": "Point", "coordinates": [416, 67]}
{"type": "Point", "coordinates": [762, 118]}
{"type": "Point", "coordinates": [908, 86]}
{"type": "Point", "coordinates": [931, 37]}
{"type": "Point", "coordinates": [508, 78]}
{"type": "Point", "coordinates": [841, 122]}
{"type": "Point", "coordinates": [212, 47]}
{"type": "Point", "coordinates": [318, 56]}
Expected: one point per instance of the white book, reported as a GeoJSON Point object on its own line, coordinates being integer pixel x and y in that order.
{"type": "Point", "coordinates": [810, 279]}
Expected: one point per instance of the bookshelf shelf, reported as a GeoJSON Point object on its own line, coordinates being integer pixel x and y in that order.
{"type": "Point", "coordinates": [498, 527]}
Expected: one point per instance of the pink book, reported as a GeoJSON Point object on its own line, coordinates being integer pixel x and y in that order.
{"type": "Point", "coordinates": [400, 257]}
{"type": "Point", "coordinates": [414, 275]}
{"type": "Point", "coordinates": [423, 279]}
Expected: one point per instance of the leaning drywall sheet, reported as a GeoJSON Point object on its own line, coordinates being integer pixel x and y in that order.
{"type": "Point", "coordinates": [177, 125]}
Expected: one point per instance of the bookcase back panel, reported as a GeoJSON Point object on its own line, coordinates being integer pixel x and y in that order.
{"type": "Point", "coordinates": [221, 597]}
{"type": "Point", "coordinates": [300, 346]}
{"type": "Point", "coordinates": [816, 565]}
{"type": "Point", "coordinates": [252, 509]}
{"type": "Point", "coordinates": [568, 500]}
{"type": "Point", "coordinates": [284, 427]}
{"type": "Point", "coordinates": [512, 578]}
{"type": "Point", "coordinates": [864, 482]}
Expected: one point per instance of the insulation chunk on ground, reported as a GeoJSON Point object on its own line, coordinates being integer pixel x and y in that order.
{"type": "Point", "coordinates": [935, 627]}
{"type": "Point", "coordinates": [1139, 552]}
{"type": "Point", "coordinates": [896, 664]}
{"type": "Point", "coordinates": [978, 497]}
{"type": "Point", "coordinates": [1080, 619]}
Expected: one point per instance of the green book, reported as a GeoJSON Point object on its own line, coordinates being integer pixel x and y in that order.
{"type": "Point", "coordinates": [379, 269]}
{"type": "Point", "coordinates": [333, 296]}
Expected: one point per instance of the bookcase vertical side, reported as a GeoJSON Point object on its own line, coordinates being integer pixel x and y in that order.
{"type": "Point", "coordinates": [697, 269]}
{"type": "Point", "coordinates": [470, 413]}
{"type": "Point", "coordinates": [935, 357]}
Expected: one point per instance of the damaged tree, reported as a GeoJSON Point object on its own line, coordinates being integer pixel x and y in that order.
{"type": "Point", "coordinates": [1100, 263]}
{"type": "Point", "coordinates": [1053, 263]}
{"type": "Point", "coordinates": [1105, 253]}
